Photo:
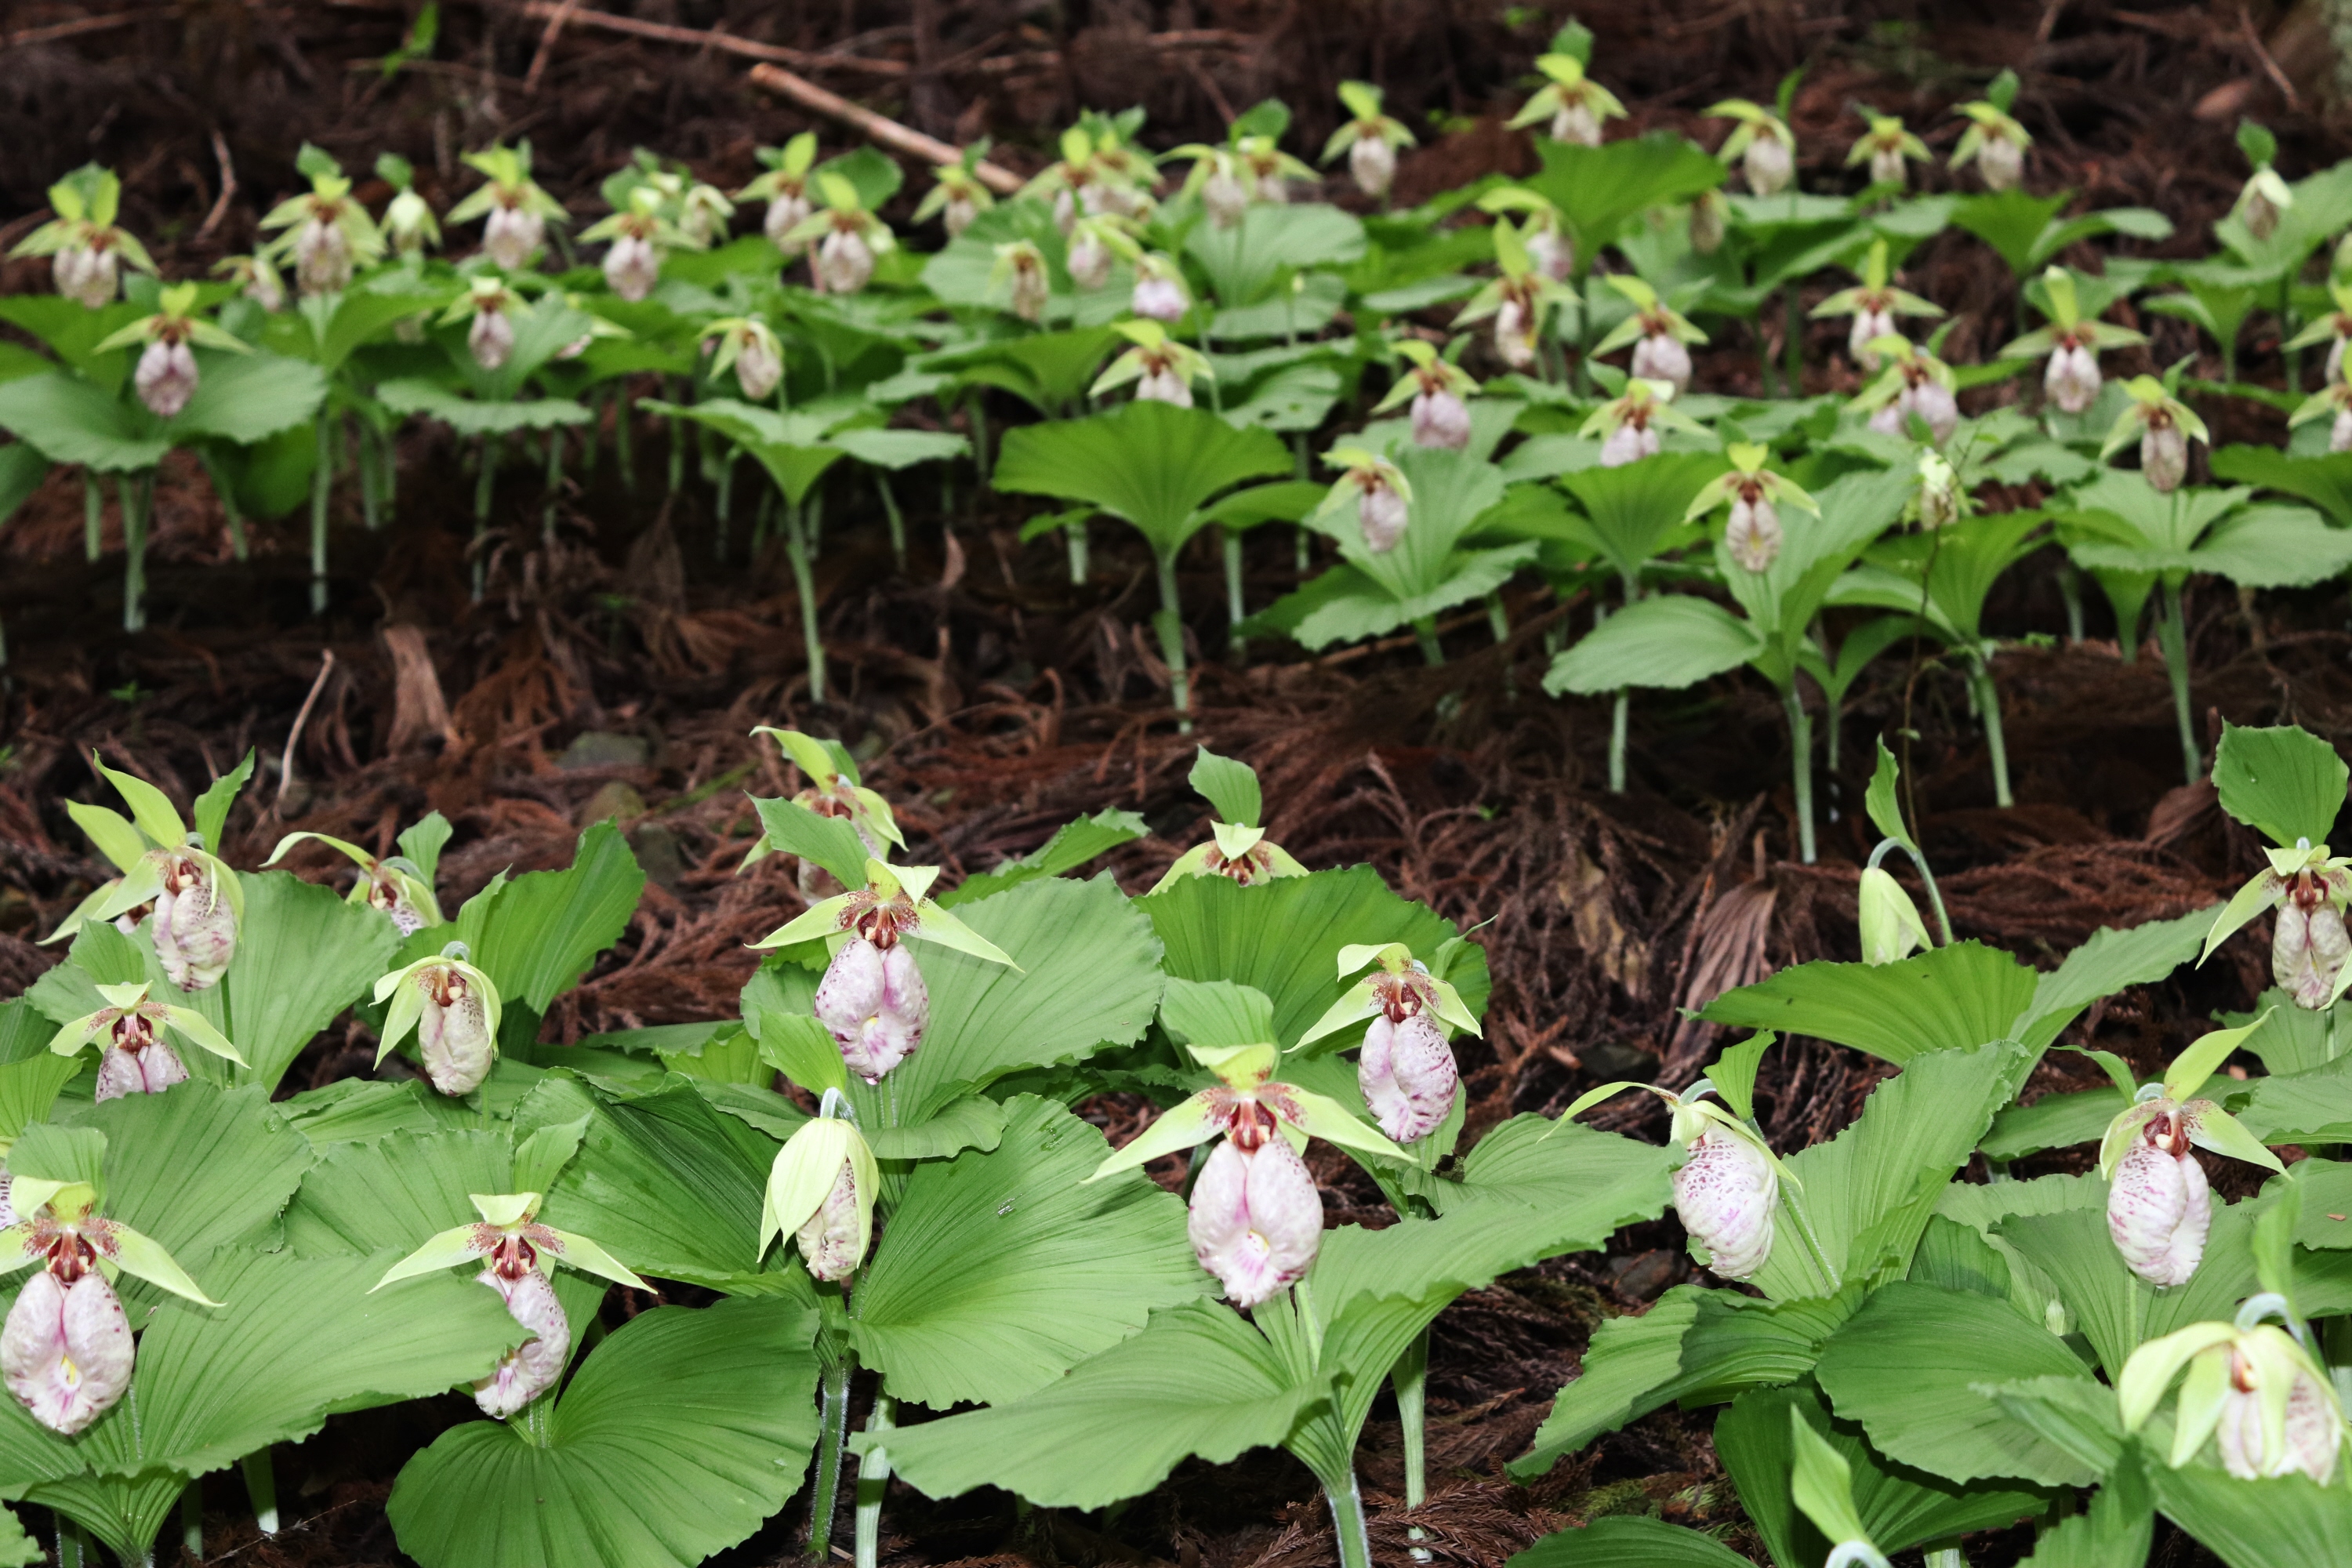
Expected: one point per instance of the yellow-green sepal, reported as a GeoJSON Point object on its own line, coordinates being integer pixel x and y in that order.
{"type": "Point", "coordinates": [143, 1257]}
{"type": "Point", "coordinates": [141, 884]}
{"type": "Point", "coordinates": [116, 839]}
{"type": "Point", "coordinates": [444, 1249]}
{"type": "Point", "coordinates": [2193, 1067]}
{"type": "Point", "coordinates": [822, 919]}
{"type": "Point", "coordinates": [2211, 1127]}
{"type": "Point", "coordinates": [85, 910]}
{"type": "Point", "coordinates": [150, 807]}
{"type": "Point", "coordinates": [1238, 1066]}
{"type": "Point", "coordinates": [2150, 1370]}
{"type": "Point", "coordinates": [197, 1029]}
{"type": "Point", "coordinates": [1320, 1116]}
{"type": "Point", "coordinates": [579, 1252]}
{"type": "Point", "coordinates": [1186, 1125]}
{"type": "Point", "coordinates": [2244, 905]}
{"type": "Point", "coordinates": [804, 1170]}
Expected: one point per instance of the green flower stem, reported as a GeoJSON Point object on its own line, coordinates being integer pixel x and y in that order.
{"type": "Point", "coordinates": [1947, 1555]}
{"type": "Point", "coordinates": [1996, 740]}
{"type": "Point", "coordinates": [805, 585]}
{"type": "Point", "coordinates": [1498, 622]}
{"type": "Point", "coordinates": [1425, 631]}
{"type": "Point", "coordinates": [71, 1543]}
{"type": "Point", "coordinates": [625, 450]}
{"type": "Point", "coordinates": [2172, 635]}
{"type": "Point", "coordinates": [898, 519]}
{"type": "Point", "coordinates": [677, 437]}
{"type": "Point", "coordinates": [833, 1427]}
{"type": "Point", "coordinates": [589, 432]}
{"type": "Point", "coordinates": [1410, 1378]}
{"type": "Point", "coordinates": [261, 1485]}
{"type": "Point", "coordinates": [873, 1480]}
{"type": "Point", "coordinates": [1763, 354]}
{"type": "Point", "coordinates": [485, 478]}
{"type": "Point", "coordinates": [135, 493]}
{"type": "Point", "coordinates": [1618, 714]}
{"type": "Point", "coordinates": [2294, 355]}
{"type": "Point", "coordinates": [322, 482]}
{"type": "Point", "coordinates": [979, 406]}
{"type": "Point", "coordinates": [2070, 588]}
{"type": "Point", "coordinates": [364, 460]}
{"type": "Point", "coordinates": [93, 516]}
{"type": "Point", "coordinates": [1792, 350]}
{"type": "Point", "coordinates": [191, 1520]}
{"type": "Point", "coordinates": [555, 486]}
{"type": "Point", "coordinates": [1170, 624]}
{"type": "Point", "coordinates": [1230, 547]}
{"type": "Point", "coordinates": [1348, 1523]}
{"type": "Point", "coordinates": [1800, 767]}
{"type": "Point", "coordinates": [1074, 538]}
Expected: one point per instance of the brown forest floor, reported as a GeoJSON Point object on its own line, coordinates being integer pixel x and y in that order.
{"type": "Point", "coordinates": [619, 670]}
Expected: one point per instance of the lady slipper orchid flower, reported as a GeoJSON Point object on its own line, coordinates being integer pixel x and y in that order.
{"type": "Point", "coordinates": [1765, 146]}
{"type": "Point", "coordinates": [1241, 853]}
{"type": "Point", "coordinates": [395, 885]}
{"type": "Point", "coordinates": [166, 376]}
{"type": "Point", "coordinates": [847, 238]}
{"type": "Point", "coordinates": [1914, 382]}
{"type": "Point", "coordinates": [2310, 889]}
{"type": "Point", "coordinates": [1160, 294]}
{"type": "Point", "coordinates": [821, 1190]}
{"type": "Point", "coordinates": [1710, 214]}
{"type": "Point", "coordinates": [872, 998]}
{"type": "Point", "coordinates": [1884, 147]}
{"type": "Point", "coordinates": [1543, 231]}
{"type": "Point", "coordinates": [1728, 1186]}
{"type": "Point", "coordinates": [327, 232]}
{"type": "Point", "coordinates": [198, 902]}
{"type": "Point", "coordinates": [135, 1057]}
{"type": "Point", "coordinates": [956, 197]}
{"type": "Point", "coordinates": [2164, 425]}
{"type": "Point", "coordinates": [454, 1007]}
{"type": "Point", "coordinates": [748, 346]}
{"type": "Point", "coordinates": [1632, 426]}
{"type": "Point", "coordinates": [2269, 1408]}
{"type": "Point", "coordinates": [703, 213]}
{"type": "Point", "coordinates": [1381, 494]}
{"type": "Point", "coordinates": [1162, 369]}
{"type": "Point", "coordinates": [2264, 196]}
{"type": "Point", "coordinates": [1873, 307]}
{"type": "Point", "coordinates": [1890, 925]}
{"type": "Point", "coordinates": [1255, 1218]}
{"type": "Point", "coordinates": [66, 1351]}
{"type": "Point", "coordinates": [1993, 140]}
{"type": "Point", "coordinates": [2333, 328]}
{"type": "Point", "coordinates": [1096, 244]}
{"type": "Point", "coordinates": [1517, 301]}
{"type": "Point", "coordinates": [2074, 345]}
{"type": "Point", "coordinates": [1019, 270]}
{"type": "Point", "coordinates": [1370, 140]}
{"type": "Point", "coordinates": [833, 790]}
{"type": "Point", "coordinates": [516, 1251]}
{"type": "Point", "coordinates": [1658, 333]}
{"type": "Point", "coordinates": [408, 220]}
{"type": "Point", "coordinates": [2335, 401]}
{"type": "Point", "coordinates": [1437, 389]}
{"type": "Point", "coordinates": [1267, 170]}
{"type": "Point", "coordinates": [85, 248]}
{"type": "Point", "coordinates": [636, 233]}
{"type": "Point", "coordinates": [486, 305]}
{"type": "Point", "coordinates": [784, 187]}
{"type": "Point", "coordinates": [1406, 1071]}
{"type": "Point", "coordinates": [1751, 536]}
{"type": "Point", "coordinates": [254, 276]}
{"type": "Point", "coordinates": [2159, 1207]}
{"type": "Point", "coordinates": [1084, 181]}
{"type": "Point", "coordinates": [514, 210]}
{"type": "Point", "coordinates": [1577, 106]}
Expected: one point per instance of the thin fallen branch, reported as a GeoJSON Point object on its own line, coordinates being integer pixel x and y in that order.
{"type": "Point", "coordinates": [75, 30]}
{"type": "Point", "coordinates": [227, 190]}
{"type": "Point", "coordinates": [878, 127]}
{"type": "Point", "coordinates": [294, 737]}
{"type": "Point", "coordinates": [547, 45]}
{"type": "Point", "coordinates": [702, 38]}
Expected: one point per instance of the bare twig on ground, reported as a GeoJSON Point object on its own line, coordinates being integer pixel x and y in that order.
{"type": "Point", "coordinates": [881, 128]}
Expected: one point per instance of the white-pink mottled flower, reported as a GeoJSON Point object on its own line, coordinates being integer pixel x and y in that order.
{"type": "Point", "coordinates": [1440, 419]}
{"type": "Point", "coordinates": [196, 924]}
{"type": "Point", "coordinates": [86, 275]}
{"type": "Point", "coordinates": [829, 1238]}
{"type": "Point", "coordinates": [874, 1002]}
{"type": "Point", "coordinates": [1373, 161]}
{"type": "Point", "coordinates": [531, 1368]}
{"type": "Point", "coordinates": [1164, 386]}
{"type": "Point", "coordinates": [2073, 380]}
{"type": "Point", "coordinates": [1408, 1076]}
{"type": "Point", "coordinates": [1158, 298]}
{"type": "Point", "coordinates": [1662, 356]}
{"type": "Point", "coordinates": [166, 377]}
{"type": "Point", "coordinates": [490, 338]}
{"type": "Point", "coordinates": [1255, 1219]}
{"type": "Point", "coordinates": [2159, 1207]}
{"type": "Point", "coordinates": [1726, 1193]}
{"type": "Point", "coordinates": [510, 234]}
{"type": "Point", "coordinates": [632, 266]}
{"type": "Point", "coordinates": [65, 1350]}
{"type": "Point", "coordinates": [843, 262]}
{"type": "Point", "coordinates": [1868, 326]}
{"type": "Point", "coordinates": [1753, 534]}
{"type": "Point", "coordinates": [2164, 456]}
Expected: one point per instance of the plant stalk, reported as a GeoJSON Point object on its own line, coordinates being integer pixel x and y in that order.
{"type": "Point", "coordinates": [1800, 767]}
{"type": "Point", "coordinates": [1410, 1378]}
{"type": "Point", "coordinates": [897, 520]}
{"type": "Point", "coordinates": [485, 480]}
{"type": "Point", "coordinates": [1074, 538]}
{"type": "Point", "coordinates": [1946, 1556]}
{"type": "Point", "coordinates": [1425, 631]}
{"type": "Point", "coordinates": [2070, 588]}
{"type": "Point", "coordinates": [873, 1480]}
{"type": "Point", "coordinates": [191, 1520]}
{"type": "Point", "coordinates": [979, 406]}
{"type": "Point", "coordinates": [237, 545]}
{"type": "Point", "coordinates": [1347, 1523]}
{"type": "Point", "coordinates": [136, 493]}
{"type": "Point", "coordinates": [1498, 622]}
{"type": "Point", "coordinates": [322, 482]}
{"type": "Point", "coordinates": [2172, 631]}
{"type": "Point", "coordinates": [363, 460]}
{"type": "Point", "coordinates": [625, 450]}
{"type": "Point", "coordinates": [1996, 741]}
{"type": "Point", "coordinates": [1170, 624]}
{"type": "Point", "coordinates": [261, 1485]}
{"type": "Point", "coordinates": [1230, 545]}
{"type": "Point", "coordinates": [833, 1427]}
{"type": "Point", "coordinates": [1792, 350]}
{"type": "Point", "coordinates": [1619, 712]}
{"type": "Point", "coordinates": [93, 517]}
{"type": "Point", "coordinates": [805, 585]}
{"type": "Point", "coordinates": [678, 439]}
{"type": "Point", "coordinates": [71, 1543]}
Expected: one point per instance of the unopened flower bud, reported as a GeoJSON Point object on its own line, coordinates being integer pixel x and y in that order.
{"type": "Point", "coordinates": [1707, 217]}
{"type": "Point", "coordinates": [2072, 379]}
{"type": "Point", "coordinates": [2314, 1432]}
{"type": "Point", "coordinates": [195, 926]}
{"type": "Point", "coordinates": [1381, 513]}
{"type": "Point", "coordinates": [453, 1032]}
{"type": "Point", "coordinates": [1552, 253]}
{"type": "Point", "coordinates": [67, 1351]}
{"type": "Point", "coordinates": [1890, 923]}
{"type": "Point", "coordinates": [2001, 162]}
{"type": "Point", "coordinates": [1439, 419]}
{"type": "Point", "coordinates": [1373, 161]}
{"type": "Point", "coordinates": [1408, 1076]}
{"type": "Point", "coordinates": [2159, 1207]}
{"type": "Point", "coordinates": [322, 256]}
{"type": "Point", "coordinates": [1660, 357]}
{"type": "Point", "coordinates": [828, 1239]}
{"type": "Point", "coordinates": [1753, 534]}
{"type": "Point", "coordinates": [1576, 124]}
{"type": "Point", "coordinates": [1090, 260]}
{"type": "Point", "coordinates": [1225, 197]}
{"type": "Point", "coordinates": [490, 338]}
{"type": "Point", "coordinates": [86, 276]}
{"type": "Point", "coordinates": [875, 1006]}
{"type": "Point", "coordinates": [2259, 213]}
{"type": "Point", "coordinates": [1769, 165]}
{"type": "Point", "coordinates": [787, 210]}
{"type": "Point", "coordinates": [632, 266]}
{"type": "Point", "coordinates": [1160, 298]}
{"type": "Point", "coordinates": [1726, 1194]}
{"type": "Point", "coordinates": [843, 262]}
{"type": "Point", "coordinates": [166, 377]}
{"type": "Point", "coordinates": [509, 235]}
{"type": "Point", "coordinates": [531, 1368]}
{"type": "Point", "coordinates": [1868, 326]}
{"type": "Point", "coordinates": [2164, 456]}
{"type": "Point", "coordinates": [758, 369]}
{"type": "Point", "coordinates": [1255, 1219]}
{"type": "Point", "coordinates": [404, 221]}
{"type": "Point", "coordinates": [1629, 443]}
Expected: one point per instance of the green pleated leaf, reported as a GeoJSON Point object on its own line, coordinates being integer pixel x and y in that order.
{"type": "Point", "coordinates": [2287, 782]}
{"type": "Point", "coordinates": [411, 395]}
{"type": "Point", "coordinates": [2110, 961]}
{"type": "Point", "coordinates": [248, 398]}
{"type": "Point", "coordinates": [1242, 260]}
{"type": "Point", "coordinates": [1907, 1367]}
{"type": "Point", "coordinates": [393, 1191]}
{"type": "Point", "coordinates": [125, 1513]}
{"type": "Point", "coordinates": [1073, 845]}
{"type": "Point", "coordinates": [2259, 1523]}
{"type": "Point", "coordinates": [679, 1435]}
{"type": "Point", "coordinates": [69, 420]}
{"type": "Point", "coordinates": [354, 1109]}
{"type": "Point", "coordinates": [2054, 1121]}
{"type": "Point", "coordinates": [1632, 509]}
{"type": "Point", "coordinates": [1150, 462]}
{"type": "Point", "coordinates": [1668, 642]}
{"type": "Point", "coordinates": [1198, 1381]}
{"type": "Point", "coordinates": [2309, 1107]}
{"type": "Point", "coordinates": [999, 1271]}
{"type": "Point", "coordinates": [540, 934]}
{"type": "Point", "coordinates": [2115, 1532]}
{"type": "Point", "coordinates": [1956, 997]}
{"type": "Point", "coordinates": [1284, 938]}
{"type": "Point", "coordinates": [196, 1168]}
{"type": "Point", "coordinates": [1629, 1540]}
{"type": "Point", "coordinates": [1599, 189]}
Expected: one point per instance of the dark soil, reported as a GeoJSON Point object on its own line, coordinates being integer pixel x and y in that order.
{"type": "Point", "coordinates": [616, 667]}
